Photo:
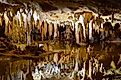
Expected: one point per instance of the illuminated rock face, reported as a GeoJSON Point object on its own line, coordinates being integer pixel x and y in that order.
{"type": "Point", "coordinates": [33, 22]}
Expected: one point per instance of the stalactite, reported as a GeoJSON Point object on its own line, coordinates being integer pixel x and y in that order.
{"type": "Point", "coordinates": [42, 30]}
{"type": "Point", "coordinates": [1, 19]}
{"type": "Point", "coordinates": [55, 29]}
{"type": "Point", "coordinates": [25, 27]}
{"type": "Point", "coordinates": [39, 27]}
{"type": "Point", "coordinates": [50, 30]}
{"type": "Point", "coordinates": [45, 29]}
{"type": "Point", "coordinates": [58, 30]}
{"type": "Point", "coordinates": [77, 32]}
{"type": "Point", "coordinates": [90, 29]}
{"type": "Point", "coordinates": [81, 33]}
{"type": "Point", "coordinates": [81, 20]}
{"type": "Point", "coordinates": [6, 22]}
{"type": "Point", "coordinates": [35, 16]}
{"type": "Point", "coordinates": [19, 17]}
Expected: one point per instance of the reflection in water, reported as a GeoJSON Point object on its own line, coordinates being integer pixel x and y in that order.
{"type": "Point", "coordinates": [92, 62]}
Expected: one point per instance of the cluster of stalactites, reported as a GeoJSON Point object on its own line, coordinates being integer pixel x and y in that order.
{"type": "Point", "coordinates": [17, 24]}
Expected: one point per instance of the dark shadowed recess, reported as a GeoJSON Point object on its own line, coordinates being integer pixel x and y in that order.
{"type": "Point", "coordinates": [104, 7]}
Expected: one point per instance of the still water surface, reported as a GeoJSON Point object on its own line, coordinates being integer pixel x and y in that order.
{"type": "Point", "coordinates": [100, 61]}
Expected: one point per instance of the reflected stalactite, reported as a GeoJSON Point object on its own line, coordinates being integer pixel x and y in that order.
{"type": "Point", "coordinates": [84, 63]}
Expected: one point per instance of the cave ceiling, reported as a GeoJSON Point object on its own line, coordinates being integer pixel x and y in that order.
{"type": "Point", "coordinates": [104, 7]}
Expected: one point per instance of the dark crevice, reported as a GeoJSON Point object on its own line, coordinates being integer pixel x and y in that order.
{"type": "Point", "coordinates": [47, 7]}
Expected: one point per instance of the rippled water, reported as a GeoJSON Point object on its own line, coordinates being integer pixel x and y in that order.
{"type": "Point", "coordinates": [104, 59]}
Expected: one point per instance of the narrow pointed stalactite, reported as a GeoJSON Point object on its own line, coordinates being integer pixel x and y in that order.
{"type": "Point", "coordinates": [55, 30]}
{"type": "Point", "coordinates": [90, 29]}
{"type": "Point", "coordinates": [50, 30]}
{"type": "Point", "coordinates": [45, 30]}
{"type": "Point", "coordinates": [42, 31]}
